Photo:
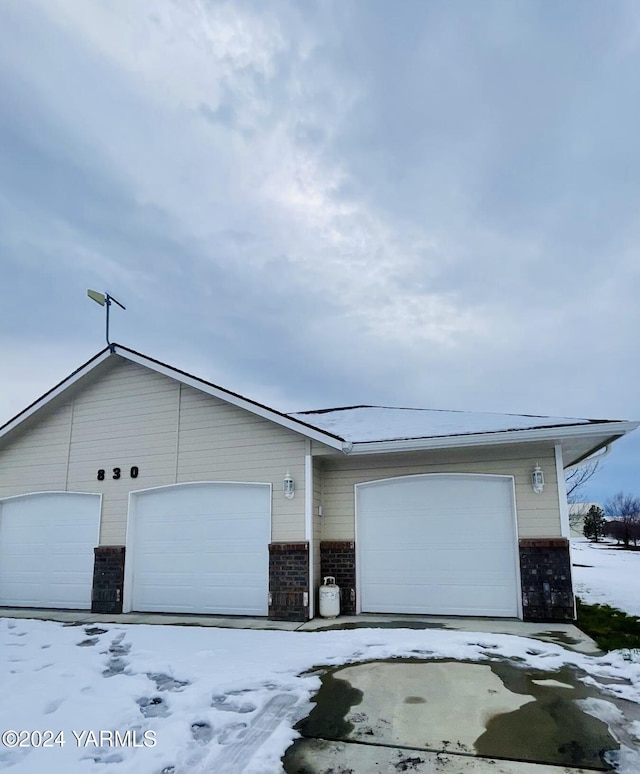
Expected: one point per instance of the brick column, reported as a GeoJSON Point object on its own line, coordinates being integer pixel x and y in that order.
{"type": "Point", "coordinates": [289, 581]}
{"type": "Point", "coordinates": [545, 569]}
{"type": "Point", "coordinates": [108, 579]}
{"type": "Point", "coordinates": [338, 558]}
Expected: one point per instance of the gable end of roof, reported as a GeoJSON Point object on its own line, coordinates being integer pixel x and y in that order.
{"type": "Point", "coordinates": [118, 350]}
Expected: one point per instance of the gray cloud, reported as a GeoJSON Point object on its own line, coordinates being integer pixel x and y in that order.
{"type": "Point", "coordinates": [411, 203]}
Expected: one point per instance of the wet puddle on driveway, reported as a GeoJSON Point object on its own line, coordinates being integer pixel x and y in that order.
{"type": "Point", "coordinates": [491, 710]}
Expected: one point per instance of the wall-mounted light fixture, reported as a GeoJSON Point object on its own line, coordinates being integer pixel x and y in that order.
{"type": "Point", "coordinates": [537, 479]}
{"type": "Point", "coordinates": [288, 486]}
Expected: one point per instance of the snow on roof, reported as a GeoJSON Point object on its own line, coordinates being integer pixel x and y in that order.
{"type": "Point", "coordinates": [362, 424]}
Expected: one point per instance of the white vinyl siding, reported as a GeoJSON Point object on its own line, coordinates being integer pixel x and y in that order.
{"type": "Point", "coordinates": [36, 460]}
{"type": "Point", "coordinates": [128, 415]}
{"type": "Point", "coordinates": [127, 418]}
{"type": "Point", "coordinates": [132, 415]}
{"type": "Point", "coordinates": [222, 442]}
{"type": "Point", "coordinates": [538, 515]}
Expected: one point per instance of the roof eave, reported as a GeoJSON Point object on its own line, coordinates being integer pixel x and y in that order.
{"type": "Point", "coordinates": [491, 439]}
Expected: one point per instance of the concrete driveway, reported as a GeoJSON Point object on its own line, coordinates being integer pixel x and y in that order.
{"type": "Point", "coordinates": [446, 714]}
{"type": "Point", "coordinates": [404, 715]}
{"type": "Point", "coordinates": [449, 716]}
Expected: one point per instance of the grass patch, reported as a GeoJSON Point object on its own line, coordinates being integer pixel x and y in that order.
{"type": "Point", "coordinates": [609, 627]}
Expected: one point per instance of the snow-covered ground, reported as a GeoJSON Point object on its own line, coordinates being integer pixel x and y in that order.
{"type": "Point", "coordinates": [225, 700]}
{"type": "Point", "coordinates": [189, 699]}
{"type": "Point", "coordinates": [605, 575]}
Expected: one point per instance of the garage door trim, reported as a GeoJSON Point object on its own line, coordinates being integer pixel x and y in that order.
{"type": "Point", "coordinates": [60, 493]}
{"type": "Point", "coordinates": [129, 569]}
{"type": "Point", "coordinates": [481, 476]}
{"type": "Point", "coordinates": [50, 492]}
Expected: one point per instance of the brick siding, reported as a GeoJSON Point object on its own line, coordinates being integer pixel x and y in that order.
{"type": "Point", "coordinates": [545, 568]}
{"type": "Point", "coordinates": [108, 579]}
{"type": "Point", "coordinates": [288, 581]}
{"type": "Point", "coordinates": [338, 558]}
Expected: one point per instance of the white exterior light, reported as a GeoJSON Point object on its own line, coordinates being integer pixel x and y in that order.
{"type": "Point", "coordinates": [288, 487]}
{"type": "Point", "coordinates": [537, 479]}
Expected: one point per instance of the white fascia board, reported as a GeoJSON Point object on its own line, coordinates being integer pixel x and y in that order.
{"type": "Point", "coordinates": [52, 394]}
{"type": "Point", "coordinates": [559, 433]}
{"type": "Point", "coordinates": [261, 411]}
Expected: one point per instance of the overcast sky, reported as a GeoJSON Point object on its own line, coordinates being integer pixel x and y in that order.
{"type": "Point", "coordinates": [319, 204]}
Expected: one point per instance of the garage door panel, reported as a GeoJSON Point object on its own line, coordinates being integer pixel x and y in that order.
{"type": "Point", "coordinates": [238, 562]}
{"type": "Point", "coordinates": [170, 500]}
{"type": "Point", "coordinates": [446, 600]}
{"type": "Point", "coordinates": [211, 580]}
{"type": "Point", "coordinates": [477, 526]}
{"type": "Point", "coordinates": [497, 547]}
{"type": "Point", "coordinates": [201, 548]}
{"type": "Point", "coordinates": [235, 562]}
{"type": "Point", "coordinates": [441, 566]}
{"type": "Point", "coordinates": [441, 575]}
{"type": "Point", "coordinates": [384, 494]}
{"type": "Point", "coordinates": [216, 601]}
{"type": "Point", "coordinates": [438, 544]}
{"type": "Point", "coordinates": [46, 549]}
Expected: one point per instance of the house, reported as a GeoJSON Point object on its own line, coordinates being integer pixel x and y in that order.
{"type": "Point", "coordinates": [132, 485]}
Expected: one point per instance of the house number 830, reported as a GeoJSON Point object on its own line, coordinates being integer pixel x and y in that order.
{"type": "Point", "coordinates": [117, 473]}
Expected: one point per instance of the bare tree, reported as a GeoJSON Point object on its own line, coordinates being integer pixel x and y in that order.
{"type": "Point", "coordinates": [577, 478]}
{"type": "Point", "coordinates": [624, 509]}
{"type": "Point", "coordinates": [575, 481]}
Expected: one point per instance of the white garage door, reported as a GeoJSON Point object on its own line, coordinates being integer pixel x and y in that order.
{"type": "Point", "coordinates": [46, 549]}
{"type": "Point", "coordinates": [200, 548]}
{"type": "Point", "coordinates": [437, 545]}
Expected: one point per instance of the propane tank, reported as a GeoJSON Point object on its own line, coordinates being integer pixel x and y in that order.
{"type": "Point", "coordinates": [329, 598]}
